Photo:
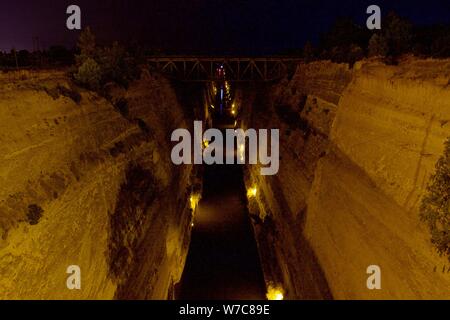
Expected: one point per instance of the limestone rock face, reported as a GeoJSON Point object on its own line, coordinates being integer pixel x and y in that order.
{"type": "Point", "coordinates": [392, 122]}
{"type": "Point", "coordinates": [388, 133]}
{"type": "Point", "coordinates": [89, 182]}
{"type": "Point", "coordinates": [357, 148]}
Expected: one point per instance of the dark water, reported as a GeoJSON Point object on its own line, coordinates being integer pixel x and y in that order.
{"type": "Point", "coordinates": [223, 261]}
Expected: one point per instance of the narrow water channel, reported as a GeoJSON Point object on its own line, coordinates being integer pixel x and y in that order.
{"type": "Point", "coordinates": [223, 261]}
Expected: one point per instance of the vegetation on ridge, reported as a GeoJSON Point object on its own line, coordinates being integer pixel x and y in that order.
{"type": "Point", "coordinates": [435, 207]}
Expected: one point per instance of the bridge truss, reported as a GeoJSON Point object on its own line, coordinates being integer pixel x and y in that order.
{"type": "Point", "coordinates": [203, 69]}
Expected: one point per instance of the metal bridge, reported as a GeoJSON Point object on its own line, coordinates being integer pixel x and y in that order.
{"type": "Point", "coordinates": [189, 68]}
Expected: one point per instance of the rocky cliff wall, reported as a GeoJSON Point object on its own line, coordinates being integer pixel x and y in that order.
{"type": "Point", "coordinates": [86, 181]}
{"type": "Point", "coordinates": [357, 148]}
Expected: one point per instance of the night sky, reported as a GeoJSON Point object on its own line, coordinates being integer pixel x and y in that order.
{"type": "Point", "coordinates": [197, 25]}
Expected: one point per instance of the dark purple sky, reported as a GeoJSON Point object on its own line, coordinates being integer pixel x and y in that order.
{"type": "Point", "coordinates": [216, 25]}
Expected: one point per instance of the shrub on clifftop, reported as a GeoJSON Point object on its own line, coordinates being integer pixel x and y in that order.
{"type": "Point", "coordinates": [378, 46]}
{"type": "Point", "coordinates": [435, 208]}
{"type": "Point", "coordinates": [89, 74]}
{"type": "Point", "coordinates": [96, 66]}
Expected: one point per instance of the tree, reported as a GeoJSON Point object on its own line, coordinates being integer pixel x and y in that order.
{"type": "Point", "coordinates": [355, 53]}
{"type": "Point", "coordinates": [398, 33]}
{"type": "Point", "coordinates": [308, 52]}
{"type": "Point", "coordinates": [86, 44]}
{"type": "Point", "coordinates": [14, 55]}
{"type": "Point", "coordinates": [339, 54]}
{"type": "Point", "coordinates": [89, 74]}
{"type": "Point", "coordinates": [435, 207]}
{"type": "Point", "coordinates": [98, 66]}
{"type": "Point", "coordinates": [23, 58]}
{"type": "Point", "coordinates": [117, 65]}
{"type": "Point", "coordinates": [378, 46]}
{"type": "Point", "coordinates": [344, 33]}
{"type": "Point", "coordinates": [441, 47]}
{"type": "Point", "coordinates": [60, 55]}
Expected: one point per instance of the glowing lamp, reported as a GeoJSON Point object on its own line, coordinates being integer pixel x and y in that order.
{"type": "Point", "coordinates": [274, 293]}
{"type": "Point", "coordinates": [252, 192]}
{"type": "Point", "coordinates": [193, 201]}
